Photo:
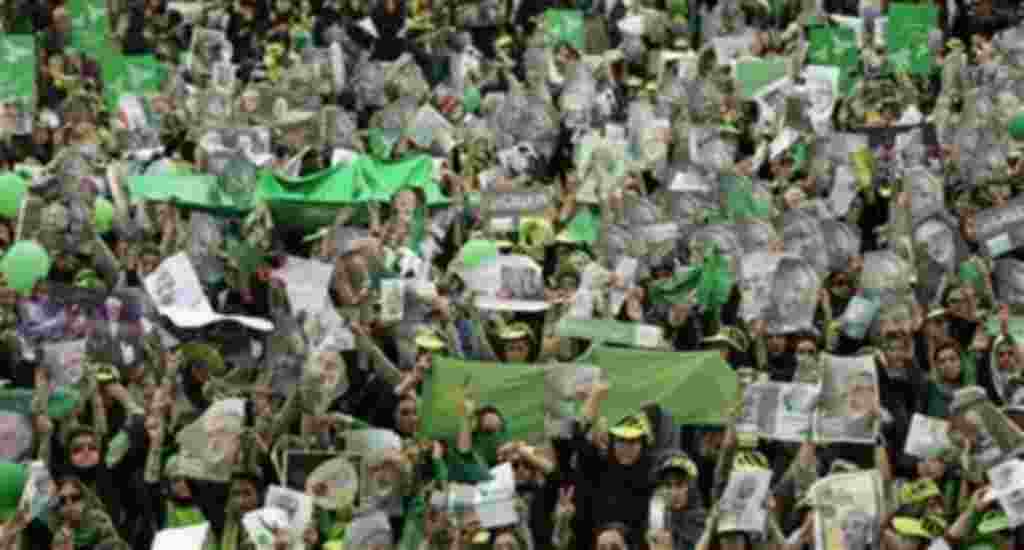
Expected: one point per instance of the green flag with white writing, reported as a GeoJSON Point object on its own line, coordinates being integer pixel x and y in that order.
{"type": "Point", "coordinates": [18, 70]}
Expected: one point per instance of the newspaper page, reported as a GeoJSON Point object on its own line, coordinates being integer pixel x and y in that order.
{"type": "Point", "coordinates": [927, 437]}
{"type": "Point", "coordinates": [305, 282]}
{"type": "Point", "coordinates": [742, 506]}
{"type": "Point", "coordinates": [779, 411]}
{"type": "Point", "coordinates": [757, 277]}
{"type": "Point", "coordinates": [1008, 489]}
{"type": "Point", "coordinates": [177, 293]}
{"type": "Point", "coordinates": [847, 411]}
{"type": "Point", "coordinates": [847, 508]}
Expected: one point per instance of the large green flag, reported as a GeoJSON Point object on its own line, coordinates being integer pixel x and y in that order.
{"type": "Point", "coordinates": [18, 70]}
{"type": "Point", "coordinates": [565, 27]}
{"type": "Point", "coordinates": [835, 46]}
{"type": "Point", "coordinates": [514, 389]}
{"type": "Point", "coordinates": [753, 74]}
{"type": "Point", "coordinates": [132, 74]}
{"type": "Point", "coordinates": [697, 388]}
{"type": "Point", "coordinates": [907, 37]}
{"type": "Point", "coordinates": [194, 190]}
{"type": "Point", "coordinates": [310, 201]}
{"type": "Point", "coordinates": [90, 26]}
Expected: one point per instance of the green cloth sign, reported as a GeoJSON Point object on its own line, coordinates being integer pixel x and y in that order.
{"type": "Point", "coordinates": [697, 388]}
{"type": "Point", "coordinates": [18, 69]}
{"type": "Point", "coordinates": [90, 26]}
{"type": "Point", "coordinates": [516, 390]}
{"type": "Point", "coordinates": [195, 190]}
{"type": "Point", "coordinates": [907, 37]}
{"type": "Point", "coordinates": [753, 74]}
{"type": "Point", "coordinates": [135, 74]}
{"type": "Point", "coordinates": [615, 332]}
{"type": "Point", "coordinates": [835, 46]}
{"type": "Point", "coordinates": [565, 27]}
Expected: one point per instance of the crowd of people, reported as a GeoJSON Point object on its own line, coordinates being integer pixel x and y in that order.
{"type": "Point", "coordinates": [235, 288]}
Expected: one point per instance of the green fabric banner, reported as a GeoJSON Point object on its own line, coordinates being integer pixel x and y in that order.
{"type": "Point", "coordinates": [697, 388]}
{"type": "Point", "coordinates": [607, 330]}
{"type": "Point", "coordinates": [754, 74]}
{"type": "Point", "coordinates": [835, 46]}
{"type": "Point", "coordinates": [90, 27]}
{"type": "Point", "coordinates": [516, 390]}
{"type": "Point", "coordinates": [18, 70]}
{"type": "Point", "coordinates": [565, 27]}
{"type": "Point", "coordinates": [907, 37]}
{"type": "Point", "coordinates": [134, 74]}
{"type": "Point", "coordinates": [193, 190]}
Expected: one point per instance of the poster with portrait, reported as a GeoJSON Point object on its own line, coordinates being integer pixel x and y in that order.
{"type": "Point", "coordinates": [65, 362]}
{"type": "Point", "coordinates": [338, 128]}
{"type": "Point", "coordinates": [297, 506]}
{"type": "Point", "coordinates": [757, 275]}
{"type": "Point", "coordinates": [928, 436]}
{"type": "Point", "coordinates": [1000, 229]}
{"type": "Point", "coordinates": [213, 440]}
{"type": "Point", "coordinates": [15, 436]}
{"type": "Point", "coordinates": [208, 48]}
{"type": "Point", "coordinates": [848, 509]}
{"type": "Point", "coordinates": [795, 289]}
{"type": "Point", "coordinates": [849, 409]}
{"type": "Point", "coordinates": [742, 506]}
{"type": "Point", "coordinates": [778, 411]}
{"type": "Point", "coordinates": [821, 90]}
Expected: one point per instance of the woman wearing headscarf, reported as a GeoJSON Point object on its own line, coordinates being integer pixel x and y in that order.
{"type": "Point", "coordinates": [613, 486]}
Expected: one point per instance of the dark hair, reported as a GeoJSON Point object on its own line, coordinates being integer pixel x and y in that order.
{"type": "Point", "coordinates": [617, 526]}
{"type": "Point", "coordinates": [945, 344]}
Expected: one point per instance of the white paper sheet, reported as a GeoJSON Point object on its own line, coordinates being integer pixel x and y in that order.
{"type": "Point", "coordinates": [297, 505]}
{"type": "Point", "coordinates": [176, 292]}
{"type": "Point", "coordinates": [306, 282]}
{"type": "Point", "coordinates": [184, 538]}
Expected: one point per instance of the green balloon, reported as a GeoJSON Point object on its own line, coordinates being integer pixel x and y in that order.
{"type": "Point", "coordinates": [103, 215]}
{"type": "Point", "coordinates": [12, 190]}
{"type": "Point", "coordinates": [25, 263]}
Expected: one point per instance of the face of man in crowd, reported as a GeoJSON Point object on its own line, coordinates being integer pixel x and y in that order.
{"type": "Point", "coordinates": [245, 495]}
{"type": "Point", "coordinates": [85, 451]}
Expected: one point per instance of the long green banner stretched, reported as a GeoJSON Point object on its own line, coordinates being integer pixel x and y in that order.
{"type": "Point", "coordinates": [18, 69]}
{"type": "Point", "coordinates": [696, 388]}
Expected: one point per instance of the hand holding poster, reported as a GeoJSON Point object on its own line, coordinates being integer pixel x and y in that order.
{"type": "Point", "coordinates": [848, 509]}
{"type": "Point", "coordinates": [176, 291]}
{"type": "Point", "coordinates": [928, 437]}
{"type": "Point", "coordinates": [849, 409]}
{"type": "Point", "coordinates": [777, 411]}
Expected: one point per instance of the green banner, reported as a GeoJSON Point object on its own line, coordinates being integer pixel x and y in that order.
{"type": "Point", "coordinates": [753, 74]}
{"type": "Point", "coordinates": [697, 388]}
{"type": "Point", "coordinates": [607, 330]}
{"type": "Point", "coordinates": [565, 27]}
{"type": "Point", "coordinates": [90, 26]}
{"type": "Point", "coordinates": [907, 37]}
{"type": "Point", "coordinates": [835, 46]}
{"type": "Point", "coordinates": [195, 190]}
{"type": "Point", "coordinates": [516, 390]}
{"type": "Point", "coordinates": [18, 70]}
{"type": "Point", "coordinates": [135, 74]}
